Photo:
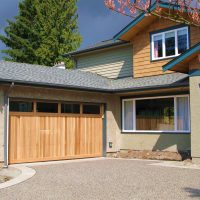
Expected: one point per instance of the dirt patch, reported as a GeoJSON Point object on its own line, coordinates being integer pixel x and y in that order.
{"type": "Point", "coordinates": [153, 155]}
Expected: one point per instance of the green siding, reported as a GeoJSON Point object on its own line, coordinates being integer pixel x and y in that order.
{"type": "Point", "coordinates": [113, 63]}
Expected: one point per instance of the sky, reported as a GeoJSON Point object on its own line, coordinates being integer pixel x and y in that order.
{"type": "Point", "coordinates": [96, 22]}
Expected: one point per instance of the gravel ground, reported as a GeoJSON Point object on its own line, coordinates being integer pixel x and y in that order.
{"type": "Point", "coordinates": [111, 179]}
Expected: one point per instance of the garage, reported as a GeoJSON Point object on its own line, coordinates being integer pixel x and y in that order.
{"type": "Point", "coordinates": [41, 130]}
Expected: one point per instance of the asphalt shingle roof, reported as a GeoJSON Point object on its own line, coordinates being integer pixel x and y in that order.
{"type": "Point", "coordinates": [97, 46]}
{"type": "Point", "coordinates": [21, 73]}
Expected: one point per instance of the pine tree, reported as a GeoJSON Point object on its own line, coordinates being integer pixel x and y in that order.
{"type": "Point", "coordinates": [42, 32]}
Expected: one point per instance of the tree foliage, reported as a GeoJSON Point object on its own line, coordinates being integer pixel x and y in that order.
{"type": "Point", "coordinates": [180, 11]}
{"type": "Point", "coordinates": [42, 32]}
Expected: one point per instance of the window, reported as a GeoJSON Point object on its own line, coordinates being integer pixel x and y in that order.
{"type": "Point", "coordinates": [170, 43]}
{"type": "Point", "coordinates": [70, 108]}
{"type": "Point", "coordinates": [169, 114]}
{"type": "Point", "coordinates": [47, 107]}
{"type": "Point", "coordinates": [91, 109]}
{"type": "Point", "coordinates": [21, 106]}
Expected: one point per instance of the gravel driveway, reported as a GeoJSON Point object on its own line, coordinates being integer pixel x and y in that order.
{"type": "Point", "coordinates": [107, 179]}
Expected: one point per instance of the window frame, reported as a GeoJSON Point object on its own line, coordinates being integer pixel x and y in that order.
{"type": "Point", "coordinates": [59, 113]}
{"type": "Point", "coordinates": [155, 131]}
{"type": "Point", "coordinates": [162, 33]}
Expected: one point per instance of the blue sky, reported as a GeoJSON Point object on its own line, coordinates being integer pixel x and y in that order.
{"type": "Point", "coordinates": [96, 22]}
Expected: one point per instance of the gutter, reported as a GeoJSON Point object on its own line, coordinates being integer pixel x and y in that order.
{"type": "Point", "coordinates": [6, 124]}
{"type": "Point", "coordinates": [89, 89]}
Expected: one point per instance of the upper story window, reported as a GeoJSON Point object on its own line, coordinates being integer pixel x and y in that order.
{"type": "Point", "coordinates": [169, 43]}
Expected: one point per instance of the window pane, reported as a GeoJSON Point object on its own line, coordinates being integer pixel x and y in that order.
{"type": "Point", "coordinates": [158, 51]}
{"type": "Point", "coordinates": [21, 106]}
{"type": "Point", "coordinates": [170, 43]}
{"type": "Point", "coordinates": [128, 115]}
{"type": "Point", "coordinates": [182, 113]}
{"type": "Point", "coordinates": [155, 114]}
{"type": "Point", "coordinates": [182, 41]}
{"type": "Point", "coordinates": [91, 109]}
{"type": "Point", "coordinates": [47, 107]}
{"type": "Point", "coordinates": [70, 108]}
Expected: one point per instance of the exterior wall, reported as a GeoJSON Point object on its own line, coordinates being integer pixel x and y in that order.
{"type": "Point", "coordinates": [143, 66]}
{"type": "Point", "coordinates": [195, 117]}
{"type": "Point", "coordinates": [113, 63]}
{"type": "Point", "coordinates": [112, 101]}
{"type": "Point", "coordinates": [150, 141]}
{"type": "Point", "coordinates": [194, 64]}
{"type": "Point", "coordinates": [1, 126]}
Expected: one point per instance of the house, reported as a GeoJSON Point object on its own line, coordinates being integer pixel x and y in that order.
{"type": "Point", "coordinates": [138, 91]}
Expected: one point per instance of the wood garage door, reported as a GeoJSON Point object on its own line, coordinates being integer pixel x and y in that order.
{"type": "Point", "coordinates": [37, 136]}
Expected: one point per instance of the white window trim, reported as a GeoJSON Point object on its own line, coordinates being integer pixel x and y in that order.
{"type": "Point", "coordinates": [155, 131]}
{"type": "Point", "coordinates": [163, 43]}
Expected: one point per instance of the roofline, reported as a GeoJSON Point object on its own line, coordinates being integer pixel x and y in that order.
{"type": "Point", "coordinates": [56, 86]}
{"type": "Point", "coordinates": [182, 57]}
{"type": "Point", "coordinates": [141, 17]}
{"type": "Point", "coordinates": [95, 48]}
{"type": "Point", "coordinates": [89, 89]}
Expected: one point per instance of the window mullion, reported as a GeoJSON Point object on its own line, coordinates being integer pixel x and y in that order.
{"type": "Point", "coordinates": [123, 128]}
{"type": "Point", "coordinates": [163, 45]}
{"type": "Point", "coordinates": [176, 42]}
{"type": "Point", "coordinates": [134, 115]}
{"type": "Point", "coordinates": [175, 114]}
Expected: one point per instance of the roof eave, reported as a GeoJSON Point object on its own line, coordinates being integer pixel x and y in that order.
{"type": "Point", "coordinates": [76, 53]}
{"type": "Point", "coordinates": [90, 89]}
{"type": "Point", "coordinates": [141, 17]}
{"type": "Point", "coordinates": [181, 58]}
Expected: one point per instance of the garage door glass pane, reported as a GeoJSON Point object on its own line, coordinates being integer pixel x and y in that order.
{"type": "Point", "coordinates": [70, 108]}
{"type": "Point", "coordinates": [21, 106]}
{"type": "Point", "coordinates": [47, 107]}
{"type": "Point", "coordinates": [91, 109]}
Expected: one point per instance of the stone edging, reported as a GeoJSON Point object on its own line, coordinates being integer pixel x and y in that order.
{"type": "Point", "coordinates": [26, 173]}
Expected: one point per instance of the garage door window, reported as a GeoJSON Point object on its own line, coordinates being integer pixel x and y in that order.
{"type": "Point", "coordinates": [21, 106]}
{"type": "Point", "coordinates": [91, 109]}
{"type": "Point", "coordinates": [70, 108]}
{"type": "Point", "coordinates": [43, 107]}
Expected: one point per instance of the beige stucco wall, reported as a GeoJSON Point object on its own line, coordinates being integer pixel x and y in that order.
{"type": "Point", "coordinates": [195, 117]}
{"type": "Point", "coordinates": [112, 101]}
{"type": "Point", "coordinates": [134, 141]}
{"type": "Point", "coordinates": [150, 141]}
{"type": "Point", "coordinates": [1, 126]}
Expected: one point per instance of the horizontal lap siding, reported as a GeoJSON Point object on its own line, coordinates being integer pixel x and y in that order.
{"type": "Point", "coordinates": [141, 48]}
{"type": "Point", "coordinates": [113, 63]}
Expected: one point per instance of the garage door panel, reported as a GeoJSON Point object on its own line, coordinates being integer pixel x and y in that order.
{"type": "Point", "coordinates": [42, 138]}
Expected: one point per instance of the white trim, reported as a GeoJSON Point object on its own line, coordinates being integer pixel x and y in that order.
{"type": "Point", "coordinates": [155, 131]}
{"type": "Point", "coordinates": [163, 43]}
{"type": "Point", "coordinates": [175, 114]}
{"type": "Point", "coordinates": [8, 114]}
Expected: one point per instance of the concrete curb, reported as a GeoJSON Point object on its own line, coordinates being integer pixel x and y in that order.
{"type": "Point", "coordinates": [26, 173]}
{"type": "Point", "coordinates": [175, 164]}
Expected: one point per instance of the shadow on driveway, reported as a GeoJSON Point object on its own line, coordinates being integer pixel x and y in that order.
{"type": "Point", "coordinates": [193, 192]}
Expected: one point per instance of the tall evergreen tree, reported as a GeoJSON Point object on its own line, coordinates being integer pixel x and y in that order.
{"type": "Point", "coordinates": [42, 32]}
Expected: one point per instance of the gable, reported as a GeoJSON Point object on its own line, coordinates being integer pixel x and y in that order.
{"type": "Point", "coordinates": [112, 63]}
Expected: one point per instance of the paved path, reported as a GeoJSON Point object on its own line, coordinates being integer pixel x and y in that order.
{"type": "Point", "coordinates": [107, 179]}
